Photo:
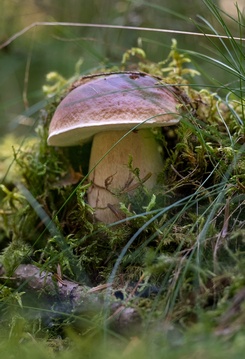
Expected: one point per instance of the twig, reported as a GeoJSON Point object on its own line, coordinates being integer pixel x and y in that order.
{"type": "Point", "coordinates": [80, 297]}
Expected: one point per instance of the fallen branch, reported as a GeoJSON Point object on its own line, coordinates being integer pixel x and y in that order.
{"type": "Point", "coordinates": [78, 298]}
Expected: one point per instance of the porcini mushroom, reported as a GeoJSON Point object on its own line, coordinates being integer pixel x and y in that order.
{"type": "Point", "coordinates": [117, 111]}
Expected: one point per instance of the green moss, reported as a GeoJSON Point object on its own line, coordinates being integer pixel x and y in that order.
{"type": "Point", "coordinates": [183, 236]}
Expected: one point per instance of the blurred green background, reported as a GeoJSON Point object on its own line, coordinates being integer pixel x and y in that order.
{"type": "Point", "coordinates": [25, 62]}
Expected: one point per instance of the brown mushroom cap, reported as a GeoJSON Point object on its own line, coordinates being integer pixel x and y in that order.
{"type": "Point", "coordinates": [112, 102]}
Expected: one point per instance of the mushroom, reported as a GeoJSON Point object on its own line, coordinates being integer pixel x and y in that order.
{"type": "Point", "coordinates": [117, 111]}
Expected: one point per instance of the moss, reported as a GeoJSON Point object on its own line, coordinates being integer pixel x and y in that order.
{"type": "Point", "coordinates": [184, 235]}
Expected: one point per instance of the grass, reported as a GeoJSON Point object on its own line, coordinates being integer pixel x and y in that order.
{"type": "Point", "coordinates": [183, 244]}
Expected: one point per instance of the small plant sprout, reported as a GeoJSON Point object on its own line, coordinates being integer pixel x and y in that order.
{"type": "Point", "coordinates": [117, 111]}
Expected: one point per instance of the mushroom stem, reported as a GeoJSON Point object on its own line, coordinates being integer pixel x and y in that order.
{"type": "Point", "coordinates": [111, 176]}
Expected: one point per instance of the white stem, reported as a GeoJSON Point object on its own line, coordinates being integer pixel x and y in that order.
{"type": "Point", "coordinates": [112, 175]}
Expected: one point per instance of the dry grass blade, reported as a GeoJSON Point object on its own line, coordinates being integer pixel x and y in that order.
{"type": "Point", "coordinates": [119, 27]}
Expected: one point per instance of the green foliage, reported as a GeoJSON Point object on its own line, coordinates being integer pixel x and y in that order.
{"type": "Point", "coordinates": [185, 237]}
{"type": "Point", "coordinates": [16, 253]}
{"type": "Point", "coordinates": [173, 68]}
{"type": "Point", "coordinates": [135, 51]}
{"type": "Point", "coordinates": [204, 148]}
{"type": "Point", "coordinates": [57, 82]}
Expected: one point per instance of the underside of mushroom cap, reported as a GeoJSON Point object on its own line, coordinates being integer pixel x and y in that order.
{"type": "Point", "coordinates": [120, 101]}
